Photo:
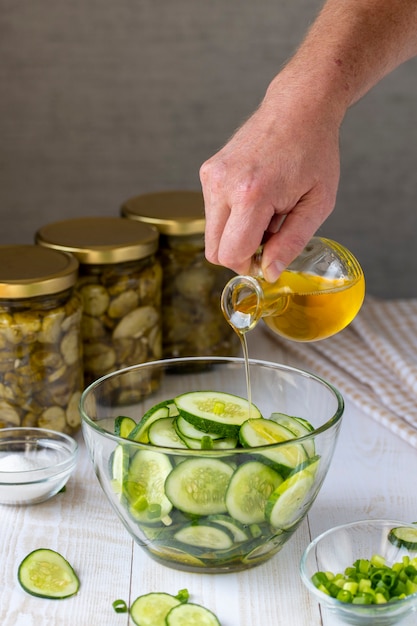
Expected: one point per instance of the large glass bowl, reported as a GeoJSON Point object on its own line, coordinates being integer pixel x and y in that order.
{"type": "Point", "coordinates": [202, 537]}
{"type": "Point", "coordinates": [338, 548]}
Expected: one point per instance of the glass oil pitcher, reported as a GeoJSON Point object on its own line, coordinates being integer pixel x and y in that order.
{"type": "Point", "coordinates": [315, 297]}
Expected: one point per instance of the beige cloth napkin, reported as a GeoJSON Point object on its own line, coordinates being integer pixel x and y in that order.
{"type": "Point", "coordinates": [373, 362]}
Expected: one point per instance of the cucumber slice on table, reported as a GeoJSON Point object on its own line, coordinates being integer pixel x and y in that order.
{"type": "Point", "coordinates": [45, 573]}
{"type": "Point", "coordinates": [191, 614]}
{"type": "Point", "coordinates": [198, 486]}
{"type": "Point", "coordinates": [403, 537]}
{"type": "Point", "coordinates": [151, 609]}
{"type": "Point", "coordinates": [144, 486]}
{"type": "Point", "coordinates": [263, 432]}
{"type": "Point", "coordinates": [215, 411]}
{"type": "Point", "coordinates": [249, 489]}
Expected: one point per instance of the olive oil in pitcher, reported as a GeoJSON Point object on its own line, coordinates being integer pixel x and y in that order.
{"type": "Point", "coordinates": [317, 296]}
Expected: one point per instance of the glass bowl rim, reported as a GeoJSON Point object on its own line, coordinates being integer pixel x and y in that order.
{"type": "Point", "coordinates": [46, 472]}
{"type": "Point", "coordinates": [337, 605]}
{"type": "Point", "coordinates": [332, 421]}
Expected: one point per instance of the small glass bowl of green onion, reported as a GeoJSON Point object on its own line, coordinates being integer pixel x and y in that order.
{"type": "Point", "coordinates": [365, 572]}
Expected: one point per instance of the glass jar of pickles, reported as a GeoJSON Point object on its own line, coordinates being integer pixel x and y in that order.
{"type": "Point", "coordinates": [41, 372]}
{"type": "Point", "coordinates": [193, 324]}
{"type": "Point", "coordinates": [119, 284]}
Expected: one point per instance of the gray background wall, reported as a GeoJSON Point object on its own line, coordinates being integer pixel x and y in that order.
{"type": "Point", "coordinates": [104, 99]}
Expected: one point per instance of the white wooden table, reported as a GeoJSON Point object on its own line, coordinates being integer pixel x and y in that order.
{"type": "Point", "coordinates": [372, 475]}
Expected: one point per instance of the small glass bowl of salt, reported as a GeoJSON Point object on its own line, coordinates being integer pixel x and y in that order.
{"type": "Point", "coordinates": [35, 463]}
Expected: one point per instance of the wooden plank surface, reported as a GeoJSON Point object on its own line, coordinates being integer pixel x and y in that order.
{"type": "Point", "coordinates": [372, 475]}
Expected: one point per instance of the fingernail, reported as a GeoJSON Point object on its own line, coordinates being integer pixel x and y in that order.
{"type": "Point", "coordinates": [273, 271]}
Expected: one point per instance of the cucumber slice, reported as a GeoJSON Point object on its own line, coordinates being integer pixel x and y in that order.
{"type": "Point", "coordinates": [176, 554]}
{"type": "Point", "coordinates": [172, 408]}
{"type": "Point", "coordinates": [215, 411]}
{"type": "Point", "coordinates": [286, 504]}
{"type": "Point", "coordinates": [305, 423]}
{"type": "Point", "coordinates": [291, 421]}
{"type": "Point", "coordinates": [191, 432]}
{"type": "Point", "coordinates": [206, 536]}
{"type": "Point", "coordinates": [204, 443]}
{"type": "Point", "coordinates": [207, 443]}
{"type": "Point", "coordinates": [238, 530]}
{"type": "Point", "coordinates": [198, 486]}
{"type": "Point", "coordinates": [263, 432]}
{"type": "Point", "coordinates": [163, 433]}
{"type": "Point", "coordinates": [123, 426]}
{"type": "Point", "coordinates": [45, 573]}
{"type": "Point", "coordinates": [311, 464]}
{"type": "Point", "coordinates": [225, 444]}
{"type": "Point", "coordinates": [249, 489]}
{"type": "Point", "coordinates": [263, 552]}
{"type": "Point", "coordinates": [196, 444]}
{"type": "Point", "coordinates": [120, 460]}
{"type": "Point", "coordinates": [159, 411]}
{"type": "Point", "coordinates": [403, 536]}
{"type": "Point", "coordinates": [151, 609]}
{"type": "Point", "coordinates": [299, 427]}
{"type": "Point", "coordinates": [144, 486]}
{"type": "Point", "coordinates": [191, 614]}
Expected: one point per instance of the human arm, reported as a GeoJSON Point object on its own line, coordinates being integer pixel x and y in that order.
{"type": "Point", "coordinates": [284, 161]}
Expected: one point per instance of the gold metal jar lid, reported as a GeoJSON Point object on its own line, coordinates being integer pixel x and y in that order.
{"type": "Point", "coordinates": [172, 212]}
{"type": "Point", "coordinates": [27, 271]}
{"type": "Point", "coordinates": [100, 240]}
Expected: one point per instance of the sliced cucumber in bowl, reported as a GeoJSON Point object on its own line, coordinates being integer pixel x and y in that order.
{"type": "Point", "coordinates": [216, 412]}
{"type": "Point", "coordinates": [144, 486]}
{"type": "Point", "coordinates": [285, 506]}
{"type": "Point", "coordinates": [239, 531]}
{"type": "Point", "coordinates": [205, 535]}
{"type": "Point", "coordinates": [264, 432]}
{"type": "Point", "coordinates": [196, 498]}
{"type": "Point", "coordinates": [163, 433]}
{"type": "Point", "coordinates": [198, 486]}
{"type": "Point", "coordinates": [299, 427]}
{"type": "Point", "coordinates": [249, 489]}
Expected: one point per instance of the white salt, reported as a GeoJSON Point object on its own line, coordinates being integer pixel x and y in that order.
{"type": "Point", "coordinates": [15, 462]}
{"type": "Point", "coordinates": [20, 490]}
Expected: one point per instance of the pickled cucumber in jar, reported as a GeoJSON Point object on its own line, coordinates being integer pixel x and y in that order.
{"type": "Point", "coordinates": [119, 285]}
{"type": "Point", "coordinates": [192, 320]}
{"type": "Point", "coordinates": [41, 369]}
